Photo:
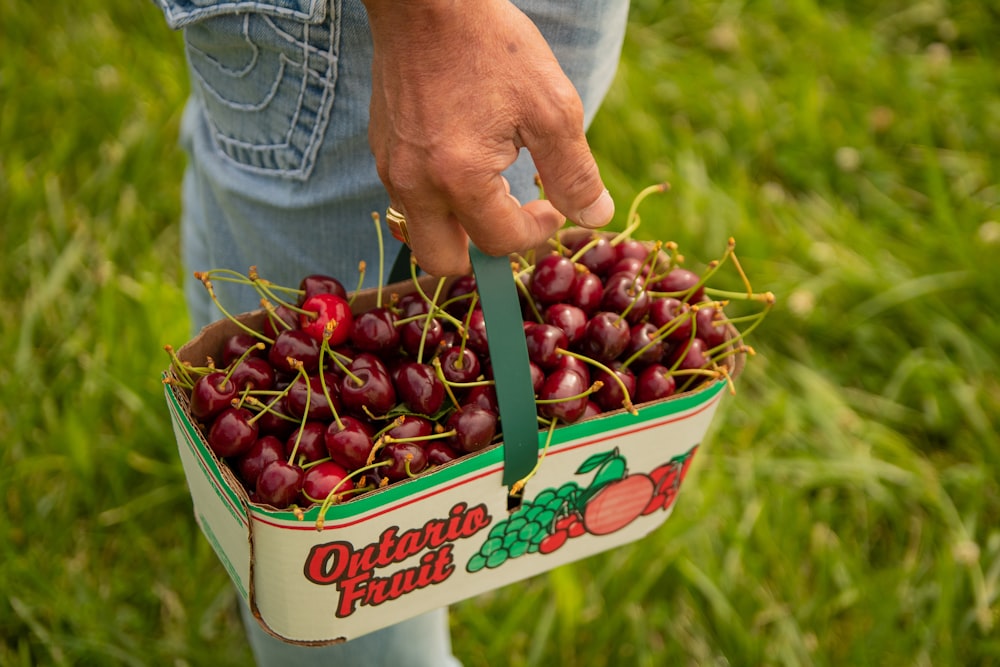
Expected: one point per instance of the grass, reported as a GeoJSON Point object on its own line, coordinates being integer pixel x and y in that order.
{"type": "Point", "coordinates": [843, 509]}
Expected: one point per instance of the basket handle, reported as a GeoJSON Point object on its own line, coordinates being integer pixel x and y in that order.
{"type": "Point", "coordinates": [505, 334]}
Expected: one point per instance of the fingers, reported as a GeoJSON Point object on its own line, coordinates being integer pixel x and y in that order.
{"type": "Point", "coordinates": [495, 221]}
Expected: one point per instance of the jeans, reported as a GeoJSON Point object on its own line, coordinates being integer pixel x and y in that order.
{"type": "Point", "coordinates": [280, 176]}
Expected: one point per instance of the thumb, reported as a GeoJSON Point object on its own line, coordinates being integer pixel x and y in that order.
{"type": "Point", "coordinates": [572, 180]}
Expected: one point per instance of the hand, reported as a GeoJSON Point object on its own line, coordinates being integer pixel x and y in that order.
{"type": "Point", "coordinates": [458, 89]}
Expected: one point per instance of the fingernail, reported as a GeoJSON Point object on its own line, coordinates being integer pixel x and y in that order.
{"type": "Point", "coordinates": [599, 213]}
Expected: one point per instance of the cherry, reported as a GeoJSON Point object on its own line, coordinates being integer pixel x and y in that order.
{"type": "Point", "coordinates": [626, 292]}
{"type": "Point", "coordinates": [571, 319]}
{"type": "Point", "coordinates": [349, 441]}
{"type": "Point", "coordinates": [537, 376]}
{"type": "Point", "coordinates": [405, 459]}
{"type": "Point", "coordinates": [279, 483]}
{"type": "Point", "coordinates": [410, 427]}
{"type": "Point", "coordinates": [611, 396]}
{"type": "Point", "coordinates": [606, 336]}
{"type": "Point", "coordinates": [327, 315]}
{"type": "Point", "coordinates": [692, 355]}
{"type": "Point", "coordinates": [412, 334]}
{"type": "Point", "coordinates": [255, 373]}
{"type": "Point", "coordinates": [588, 289]}
{"type": "Point", "coordinates": [552, 279]}
{"type": "Point", "coordinates": [412, 304]}
{"type": "Point", "coordinates": [599, 257]}
{"type": "Point", "coordinates": [653, 383]}
{"type": "Point", "coordinates": [484, 395]}
{"type": "Point", "coordinates": [211, 394]}
{"type": "Point", "coordinates": [318, 283]}
{"type": "Point", "coordinates": [631, 248]}
{"type": "Point", "coordinates": [308, 442]}
{"type": "Point", "coordinates": [295, 344]}
{"type": "Point", "coordinates": [566, 389]}
{"type": "Point", "coordinates": [459, 364]}
{"type": "Point", "coordinates": [664, 311]}
{"type": "Point", "coordinates": [463, 286]}
{"type": "Point", "coordinates": [542, 341]}
{"type": "Point", "coordinates": [284, 318]}
{"type": "Point", "coordinates": [575, 364]}
{"type": "Point", "coordinates": [476, 333]}
{"type": "Point", "coordinates": [232, 432]}
{"type": "Point", "coordinates": [309, 391]}
{"type": "Point", "coordinates": [438, 453]}
{"type": "Point", "coordinates": [368, 360]}
{"type": "Point", "coordinates": [276, 421]}
{"type": "Point", "coordinates": [237, 345]}
{"type": "Point", "coordinates": [474, 428]}
{"type": "Point", "coordinates": [375, 331]}
{"type": "Point", "coordinates": [321, 479]}
{"type": "Point", "coordinates": [367, 388]}
{"type": "Point", "coordinates": [710, 326]}
{"type": "Point", "coordinates": [679, 282]}
{"type": "Point", "coordinates": [265, 449]}
{"type": "Point", "coordinates": [420, 388]}
{"type": "Point", "coordinates": [643, 336]}
{"type": "Point", "coordinates": [631, 266]}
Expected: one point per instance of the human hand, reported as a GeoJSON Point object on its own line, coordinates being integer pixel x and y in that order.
{"type": "Point", "coordinates": [458, 89]}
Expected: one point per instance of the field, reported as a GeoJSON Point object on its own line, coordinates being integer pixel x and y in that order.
{"type": "Point", "coordinates": [844, 509]}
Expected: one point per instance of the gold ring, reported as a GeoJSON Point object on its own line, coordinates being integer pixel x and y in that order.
{"type": "Point", "coordinates": [397, 225]}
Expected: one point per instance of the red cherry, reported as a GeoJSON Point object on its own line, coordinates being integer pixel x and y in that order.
{"type": "Point", "coordinates": [460, 364]}
{"type": "Point", "coordinates": [349, 442]}
{"type": "Point", "coordinates": [474, 428]}
{"type": "Point", "coordinates": [211, 394]}
{"type": "Point", "coordinates": [542, 341]}
{"type": "Point", "coordinates": [679, 282]}
{"type": "Point", "coordinates": [552, 279]}
{"type": "Point", "coordinates": [565, 387]}
{"type": "Point", "coordinates": [612, 396]}
{"type": "Point", "coordinates": [284, 318]}
{"type": "Point", "coordinates": [606, 336]}
{"type": "Point", "coordinates": [319, 283]}
{"type": "Point", "coordinates": [321, 479]}
{"type": "Point", "coordinates": [599, 257]}
{"type": "Point", "coordinates": [653, 383]}
{"type": "Point", "coordinates": [375, 331]}
{"type": "Point", "coordinates": [672, 314]}
{"type": "Point", "coordinates": [710, 326]}
{"type": "Point", "coordinates": [279, 484]}
{"type": "Point", "coordinates": [298, 345]}
{"type": "Point", "coordinates": [588, 289]}
{"type": "Point", "coordinates": [420, 388]}
{"type": "Point", "coordinates": [322, 310]}
{"type": "Point", "coordinates": [237, 345]}
{"type": "Point", "coordinates": [264, 450]}
{"type": "Point", "coordinates": [311, 442]}
{"type": "Point", "coordinates": [405, 460]}
{"type": "Point", "coordinates": [254, 372]}
{"type": "Point", "coordinates": [571, 319]}
{"type": "Point", "coordinates": [232, 433]}
{"type": "Point", "coordinates": [438, 453]}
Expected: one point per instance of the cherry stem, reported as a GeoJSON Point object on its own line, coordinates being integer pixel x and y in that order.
{"type": "Point", "coordinates": [427, 322]}
{"type": "Point", "coordinates": [381, 258]}
{"type": "Point", "coordinates": [632, 219]}
{"type": "Point", "coordinates": [297, 365]}
{"type": "Point", "coordinates": [207, 282]}
{"type": "Point", "coordinates": [517, 487]}
{"type": "Point", "coordinates": [178, 367]}
{"type": "Point", "coordinates": [528, 298]}
{"type": "Point", "coordinates": [388, 439]}
{"type": "Point", "coordinates": [595, 387]}
{"type": "Point", "coordinates": [323, 349]}
{"type": "Point", "coordinates": [439, 371]}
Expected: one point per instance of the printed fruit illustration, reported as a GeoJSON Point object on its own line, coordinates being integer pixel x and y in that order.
{"type": "Point", "coordinates": [617, 504]}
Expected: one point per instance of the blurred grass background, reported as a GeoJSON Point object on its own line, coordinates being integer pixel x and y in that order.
{"type": "Point", "coordinates": [844, 509]}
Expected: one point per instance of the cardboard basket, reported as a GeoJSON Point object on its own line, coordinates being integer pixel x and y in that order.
{"type": "Point", "coordinates": [447, 534]}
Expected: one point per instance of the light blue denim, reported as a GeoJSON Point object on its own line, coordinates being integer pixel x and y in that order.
{"type": "Point", "coordinates": [280, 176]}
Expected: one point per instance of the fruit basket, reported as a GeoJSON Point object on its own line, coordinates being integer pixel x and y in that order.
{"type": "Point", "coordinates": [548, 493]}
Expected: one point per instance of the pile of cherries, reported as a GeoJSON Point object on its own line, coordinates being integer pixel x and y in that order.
{"type": "Point", "coordinates": [318, 403]}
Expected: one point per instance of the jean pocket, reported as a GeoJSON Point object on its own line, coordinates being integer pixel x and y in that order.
{"type": "Point", "coordinates": [265, 74]}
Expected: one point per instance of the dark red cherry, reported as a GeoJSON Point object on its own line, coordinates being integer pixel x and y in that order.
{"type": "Point", "coordinates": [485, 396]}
{"type": "Point", "coordinates": [477, 333]}
{"type": "Point", "coordinates": [419, 387]}
{"type": "Point", "coordinates": [375, 331]}
{"type": "Point", "coordinates": [237, 345]}
{"type": "Point", "coordinates": [653, 383]}
{"type": "Point", "coordinates": [276, 421]}
{"type": "Point", "coordinates": [460, 294]}
{"type": "Point", "coordinates": [265, 449]}
{"type": "Point", "coordinates": [279, 484]}
{"type": "Point", "coordinates": [295, 344]}
{"type": "Point", "coordinates": [673, 316]}
{"type": "Point", "coordinates": [311, 439]}
{"type": "Point", "coordinates": [349, 442]}
{"type": "Point", "coordinates": [542, 341]}
{"type": "Point", "coordinates": [405, 459]}
{"type": "Point", "coordinates": [474, 428]}
{"type": "Point", "coordinates": [711, 326]}
{"type": "Point", "coordinates": [318, 283]}
{"type": "Point", "coordinates": [367, 390]}
{"type": "Point", "coordinates": [588, 289]}
{"type": "Point", "coordinates": [255, 373]}
{"type": "Point", "coordinates": [412, 333]}
{"type": "Point", "coordinates": [211, 394]}
{"type": "Point", "coordinates": [232, 433]}
{"type": "Point", "coordinates": [323, 479]}
{"type": "Point", "coordinates": [681, 284]}
{"type": "Point", "coordinates": [625, 293]}
{"type": "Point", "coordinates": [614, 395]}
{"type": "Point", "coordinates": [283, 319]}
{"type": "Point", "coordinates": [438, 453]}
{"type": "Point", "coordinates": [460, 364]}
{"type": "Point", "coordinates": [644, 342]}
{"type": "Point", "coordinates": [691, 355]}
{"type": "Point", "coordinates": [606, 337]}
{"type": "Point", "coordinates": [571, 319]}
{"type": "Point", "coordinates": [633, 248]}
{"type": "Point", "coordinates": [552, 279]}
{"type": "Point", "coordinates": [599, 257]}
{"type": "Point", "coordinates": [411, 426]}
{"type": "Point", "coordinates": [566, 387]}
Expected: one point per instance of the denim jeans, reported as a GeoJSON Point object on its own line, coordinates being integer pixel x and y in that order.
{"type": "Point", "coordinates": [280, 176]}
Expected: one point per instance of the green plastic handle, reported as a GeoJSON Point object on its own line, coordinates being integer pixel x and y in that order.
{"type": "Point", "coordinates": [509, 353]}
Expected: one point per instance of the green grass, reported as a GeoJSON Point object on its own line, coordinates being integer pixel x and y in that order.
{"type": "Point", "coordinates": [844, 509]}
